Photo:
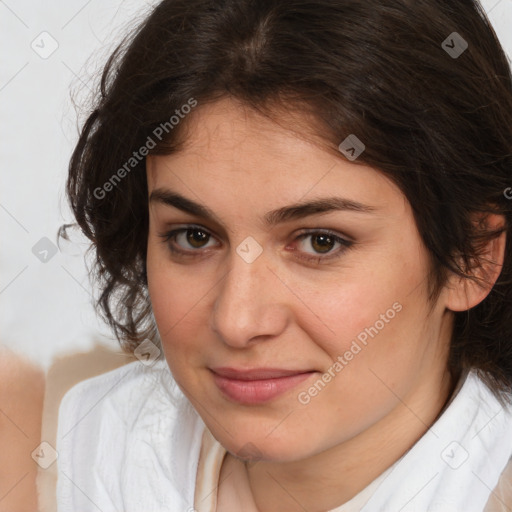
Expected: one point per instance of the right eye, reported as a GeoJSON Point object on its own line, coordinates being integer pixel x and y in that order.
{"type": "Point", "coordinates": [187, 240]}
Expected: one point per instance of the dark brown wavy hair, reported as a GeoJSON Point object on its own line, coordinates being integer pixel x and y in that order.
{"type": "Point", "coordinates": [437, 123]}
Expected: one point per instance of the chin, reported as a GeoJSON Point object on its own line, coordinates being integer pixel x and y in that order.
{"type": "Point", "coordinates": [251, 445]}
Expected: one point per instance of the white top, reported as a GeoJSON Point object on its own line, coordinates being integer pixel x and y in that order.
{"type": "Point", "coordinates": [129, 441]}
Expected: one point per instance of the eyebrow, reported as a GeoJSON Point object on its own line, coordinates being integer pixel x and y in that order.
{"type": "Point", "coordinates": [272, 218]}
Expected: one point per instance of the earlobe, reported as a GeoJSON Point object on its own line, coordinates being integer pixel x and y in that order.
{"type": "Point", "coordinates": [465, 293]}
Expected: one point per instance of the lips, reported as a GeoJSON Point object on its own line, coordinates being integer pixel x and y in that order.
{"type": "Point", "coordinates": [257, 385]}
{"type": "Point", "coordinates": [256, 373]}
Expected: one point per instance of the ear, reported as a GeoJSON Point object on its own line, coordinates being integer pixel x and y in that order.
{"type": "Point", "coordinates": [463, 293]}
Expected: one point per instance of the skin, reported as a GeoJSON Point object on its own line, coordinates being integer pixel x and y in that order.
{"type": "Point", "coordinates": [21, 403]}
{"type": "Point", "coordinates": [282, 311]}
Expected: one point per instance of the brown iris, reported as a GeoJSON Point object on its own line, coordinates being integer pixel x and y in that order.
{"type": "Point", "coordinates": [196, 237]}
{"type": "Point", "coordinates": [322, 243]}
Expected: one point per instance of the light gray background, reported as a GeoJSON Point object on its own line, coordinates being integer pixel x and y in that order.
{"type": "Point", "coordinates": [45, 307]}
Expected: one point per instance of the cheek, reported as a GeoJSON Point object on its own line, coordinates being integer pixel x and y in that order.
{"type": "Point", "coordinates": [176, 301]}
{"type": "Point", "coordinates": [372, 319]}
{"type": "Point", "coordinates": [176, 317]}
{"type": "Point", "coordinates": [371, 360]}
{"type": "Point", "coordinates": [336, 310]}
{"type": "Point", "coordinates": [176, 307]}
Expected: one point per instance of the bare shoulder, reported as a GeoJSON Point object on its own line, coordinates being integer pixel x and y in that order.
{"type": "Point", "coordinates": [22, 386]}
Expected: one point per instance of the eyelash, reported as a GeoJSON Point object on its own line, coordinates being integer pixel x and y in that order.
{"type": "Point", "coordinates": [345, 244]}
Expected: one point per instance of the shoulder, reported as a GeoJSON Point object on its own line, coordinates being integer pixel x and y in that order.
{"type": "Point", "coordinates": [116, 433]}
{"type": "Point", "coordinates": [121, 392]}
{"type": "Point", "coordinates": [21, 403]}
{"type": "Point", "coordinates": [89, 389]}
{"type": "Point", "coordinates": [129, 373]}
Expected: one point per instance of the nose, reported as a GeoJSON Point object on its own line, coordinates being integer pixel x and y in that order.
{"type": "Point", "coordinates": [250, 303]}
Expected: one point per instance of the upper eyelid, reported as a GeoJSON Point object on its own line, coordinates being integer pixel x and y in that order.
{"type": "Point", "coordinates": [302, 231]}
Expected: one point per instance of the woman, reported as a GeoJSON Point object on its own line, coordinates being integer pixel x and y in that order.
{"type": "Point", "coordinates": [300, 218]}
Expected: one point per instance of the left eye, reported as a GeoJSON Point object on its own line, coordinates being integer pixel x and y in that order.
{"type": "Point", "coordinates": [322, 243]}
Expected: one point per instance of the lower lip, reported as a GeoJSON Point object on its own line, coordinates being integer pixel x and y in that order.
{"type": "Point", "coordinates": [250, 392]}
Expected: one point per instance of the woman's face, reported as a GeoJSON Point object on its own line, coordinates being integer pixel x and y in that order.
{"type": "Point", "coordinates": [290, 328]}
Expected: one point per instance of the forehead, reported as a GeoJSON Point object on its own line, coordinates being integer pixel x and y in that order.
{"type": "Point", "coordinates": [229, 127]}
{"type": "Point", "coordinates": [231, 149]}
